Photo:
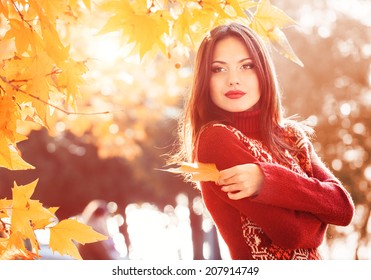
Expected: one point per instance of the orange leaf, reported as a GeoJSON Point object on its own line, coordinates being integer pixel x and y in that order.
{"type": "Point", "coordinates": [10, 158]}
{"type": "Point", "coordinates": [198, 171]}
{"type": "Point", "coordinates": [66, 231]}
{"type": "Point", "coordinates": [28, 214]}
{"type": "Point", "coordinates": [5, 205]}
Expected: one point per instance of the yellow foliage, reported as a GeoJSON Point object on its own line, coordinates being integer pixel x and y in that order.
{"type": "Point", "coordinates": [65, 232]}
{"type": "Point", "coordinates": [39, 75]}
{"type": "Point", "coordinates": [41, 64]}
{"type": "Point", "coordinates": [155, 25]}
{"type": "Point", "coordinates": [27, 215]}
{"type": "Point", "coordinates": [42, 76]}
{"type": "Point", "coordinates": [10, 157]}
{"type": "Point", "coordinates": [268, 21]}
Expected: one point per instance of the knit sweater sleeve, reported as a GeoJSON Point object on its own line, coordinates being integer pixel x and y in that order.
{"type": "Point", "coordinates": [321, 194]}
{"type": "Point", "coordinates": [287, 228]}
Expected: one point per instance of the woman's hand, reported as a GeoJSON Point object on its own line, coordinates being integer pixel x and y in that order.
{"type": "Point", "coordinates": [241, 181]}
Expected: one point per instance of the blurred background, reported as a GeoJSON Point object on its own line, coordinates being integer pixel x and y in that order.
{"type": "Point", "coordinates": [102, 168]}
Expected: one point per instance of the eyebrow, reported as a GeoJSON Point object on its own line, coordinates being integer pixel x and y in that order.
{"type": "Point", "coordinates": [240, 61]}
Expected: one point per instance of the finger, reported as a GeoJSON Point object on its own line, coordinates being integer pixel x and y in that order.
{"type": "Point", "coordinates": [227, 173]}
{"type": "Point", "coordinates": [233, 188]}
{"type": "Point", "coordinates": [237, 195]}
{"type": "Point", "coordinates": [240, 179]}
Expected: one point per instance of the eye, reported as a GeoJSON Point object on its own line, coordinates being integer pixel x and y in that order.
{"type": "Point", "coordinates": [247, 66]}
{"type": "Point", "coordinates": [218, 69]}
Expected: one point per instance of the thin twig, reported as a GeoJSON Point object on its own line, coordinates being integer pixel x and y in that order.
{"type": "Point", "coordinates": [54, 106]}
{"type": "Point", "coordinates": [21, 15]}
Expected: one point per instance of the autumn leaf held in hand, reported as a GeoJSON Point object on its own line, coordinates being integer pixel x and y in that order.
{"type": "Point", "coordinates": [198, 171]}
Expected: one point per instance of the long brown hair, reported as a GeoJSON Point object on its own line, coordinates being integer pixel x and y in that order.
{"type": "Point", "coordinates": [200, 110]}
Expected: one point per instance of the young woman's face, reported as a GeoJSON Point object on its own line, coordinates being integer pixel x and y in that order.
{"type": "Point", "coordinates": [234, 84]}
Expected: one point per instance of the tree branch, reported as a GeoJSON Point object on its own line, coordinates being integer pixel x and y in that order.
{"type": "Point", "coordinates": [4, 79]}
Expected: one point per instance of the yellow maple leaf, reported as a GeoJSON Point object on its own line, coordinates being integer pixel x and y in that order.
{"type": "Point", "coordinates": [53, 8]}
{"type": "Point", "coordinates": [47, 217]}
{"type": "Point", "coordinates": [4, 8]}
{"type": "Point", "coordinates": [239, 7]}
{"type": "Point", "coordinates": [74, 4]}
{"type": "Point", "coordinates": [28, 214]}
{"type": "Point", "coordinates": [268, 16]}
{"type": "Point", "coordinates": [120, 9]}
{"type": "Point", "coordinates": [198, 171]}
{"type": "Point", "coordinates": [38, 85]}
{"type": "Point", "coordinates": [16, 254]}
{"type": "Point", "coordinates": [138, 24]}
{"type": "Point", "coordinates": [24, 36]}
{"type": "Point", "coordinates": [15, 241]}
{"type": "Point", "coordinates": [214, 6]}
{"type": "Point", "coordinates": [268, 21]}
{"type": "Point", "coordinates": [182, 27]}
{"type": "Point", "coordinates": [24, 206]}
{"type": "Point", "coordinates": [10, 157]}
{"type": "Point", "coordinates": [147, 31]}
{"type": "Point", "coordinates": [7, 48]}
{"type": "Point", "coordinates": [202, 22]}
{"type": "Point", "coordinates": [71, 78]}
{"type": "Point", "coordinates": [9, 114]}
{"type": "Point", "coordinates": [14, 68]}
{"type": "Point", "coordinates": [246, 4]}
{"type": "Point", "coordinates": [5, 205]}
{"type": "Point", "coordinates": [66, 231]}
{"type": "Point", "coordinates": [283, 46]}
{"type": "Point", "coordinates": [52, 43]}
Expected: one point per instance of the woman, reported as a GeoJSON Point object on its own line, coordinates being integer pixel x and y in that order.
{"type": "Point", "coordinates": [274, 198]}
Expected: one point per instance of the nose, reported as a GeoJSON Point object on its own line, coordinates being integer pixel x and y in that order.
{"type": "Point", "coordinates": [231, 83]}
{"type": "Point", "coordinates": [233, 78]}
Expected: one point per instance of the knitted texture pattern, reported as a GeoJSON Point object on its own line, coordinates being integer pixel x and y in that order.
{"type": "Point", "coordinates": [298, 162]}
{"type": "Point", "coordinates": [297, 200]}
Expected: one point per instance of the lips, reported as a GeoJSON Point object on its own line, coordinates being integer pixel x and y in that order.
{"type": "Point", "coordinates": [234, 94]}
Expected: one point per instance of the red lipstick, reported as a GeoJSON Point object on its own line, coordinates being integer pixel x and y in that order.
{"type": "Point", "coordinates": [234, 94]}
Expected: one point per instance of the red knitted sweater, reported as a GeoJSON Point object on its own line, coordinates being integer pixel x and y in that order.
{"type": "Point", "coordinates": [297, 201]}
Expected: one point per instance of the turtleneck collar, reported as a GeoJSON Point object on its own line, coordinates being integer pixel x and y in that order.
{"type": "Point", "coordinates": [248, 122]}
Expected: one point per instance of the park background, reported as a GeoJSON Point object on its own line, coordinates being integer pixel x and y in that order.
{"type": "Point", "coordinates": [112, 160]}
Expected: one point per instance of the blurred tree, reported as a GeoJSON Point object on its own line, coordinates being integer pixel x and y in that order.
{"type": "Point", "coordinates": [332, 92]}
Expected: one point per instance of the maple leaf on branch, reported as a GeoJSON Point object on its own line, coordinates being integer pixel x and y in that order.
{"type": "Point", "coordinates": [198, 171]}
{"type": "Point", "coordinates": [153, 25]}
{"type": "Point", "coordinates": [144, 28]}
{"type": "Point", "coordinates": [27, 215]}
{"type": "Point", "coordinates": [268, 20]}
{"type": "Point", "coordinates": [10, 157]}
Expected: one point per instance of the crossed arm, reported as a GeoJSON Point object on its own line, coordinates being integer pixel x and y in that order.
{"type": "Point", "coordinates": [279, 200]}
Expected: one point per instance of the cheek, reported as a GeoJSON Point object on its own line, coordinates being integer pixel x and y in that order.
{"type": "Point", "coordinates": [213, 87]}
{"type": "Point", "coordinates": [253, 82]}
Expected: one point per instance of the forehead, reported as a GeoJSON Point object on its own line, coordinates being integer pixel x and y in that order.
{"type": "Point", "coordinates": [230, 48]}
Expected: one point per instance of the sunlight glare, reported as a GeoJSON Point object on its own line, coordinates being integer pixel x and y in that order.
{"type": "Point", "coordinates": [107, 48]}
{"type": "Point", "coordinates": [367, 173]}
{"type": "Point", "coordinates": [157, 235]}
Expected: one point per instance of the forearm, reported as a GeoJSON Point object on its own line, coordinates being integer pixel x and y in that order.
{"type": "Point", "coordinates": [219, 146]}
{"type": "Point", "coordinates": [286, 228]}
{"type": "Point", "coordinates": [322, 195]}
